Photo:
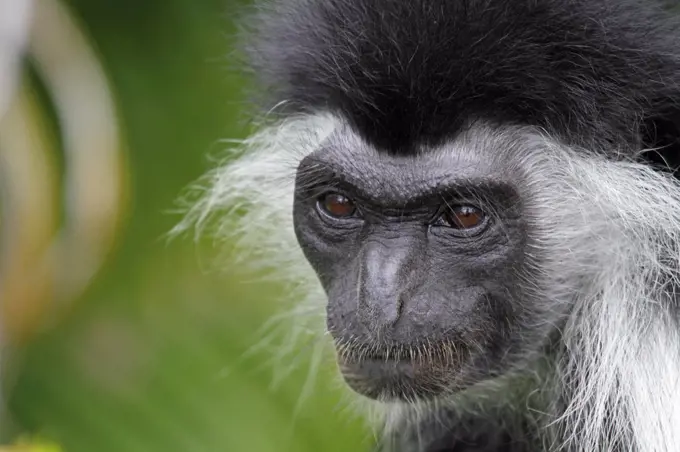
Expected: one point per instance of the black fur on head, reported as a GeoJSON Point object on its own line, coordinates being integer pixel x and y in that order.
{"type": "Point", "coordinates": [596, 73]}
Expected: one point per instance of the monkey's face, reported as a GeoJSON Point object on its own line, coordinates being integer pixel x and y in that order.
{"type": "Point", "coordinates": [422, 260]}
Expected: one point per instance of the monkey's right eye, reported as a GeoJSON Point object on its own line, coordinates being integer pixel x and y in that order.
{"type": "Point", "coordinates": [336, 205]}
{"type": "Point", "coordinates": [462, 217]}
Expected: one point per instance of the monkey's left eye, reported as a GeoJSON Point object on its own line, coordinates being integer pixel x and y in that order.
{"type": "Point", "coordinates": [462, 217]}
{"type": "Point", "coordinates": [336, 205]}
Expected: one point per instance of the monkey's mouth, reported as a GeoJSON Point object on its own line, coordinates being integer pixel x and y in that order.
{"type": "Point", "coordinates": [416, 374]}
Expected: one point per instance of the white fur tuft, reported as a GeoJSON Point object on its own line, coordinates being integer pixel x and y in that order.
{"type": "Point", "coordinates": [247, 202]}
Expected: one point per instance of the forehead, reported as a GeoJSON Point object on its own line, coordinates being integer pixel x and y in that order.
{"type": "Point", "coordinates": [480, 155]}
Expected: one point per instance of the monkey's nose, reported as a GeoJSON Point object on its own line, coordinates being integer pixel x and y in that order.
{"type": "Point", "coordinates": [383, 282]}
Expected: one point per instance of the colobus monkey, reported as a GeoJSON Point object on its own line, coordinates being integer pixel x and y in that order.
{"type": "Point", "coordinates": [480, 195]}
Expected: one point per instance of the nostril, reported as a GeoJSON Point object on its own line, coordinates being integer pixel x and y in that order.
{"type": "Point", "coordinates": [381, 313]}
{"type": "Point", "coordinates": [399, 308]}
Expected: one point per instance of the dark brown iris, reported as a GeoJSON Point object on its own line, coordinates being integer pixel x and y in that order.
{"type": "Point", "coordinates": [337, 205]}
{"type": "Point", "coordinates": [463, 217]}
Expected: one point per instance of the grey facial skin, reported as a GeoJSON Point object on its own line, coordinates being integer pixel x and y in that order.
{"type": "Point", "coordinates": [416, 307]}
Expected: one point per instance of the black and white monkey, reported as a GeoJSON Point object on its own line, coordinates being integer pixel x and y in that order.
{"type": "Point", "coordinates": [478, 194]}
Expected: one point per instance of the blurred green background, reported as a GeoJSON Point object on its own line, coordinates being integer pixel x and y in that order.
{"type": "Point", "coordinates": [151, 357]}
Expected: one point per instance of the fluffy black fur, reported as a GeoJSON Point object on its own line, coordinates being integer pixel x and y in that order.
{"type": "Point", "coordinates": [597, 73]}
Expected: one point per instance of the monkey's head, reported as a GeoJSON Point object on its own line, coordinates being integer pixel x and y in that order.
{"type": "Point", "coordinates": [448, 233]}
{"type": "Point", "coordinates": [466, 180]}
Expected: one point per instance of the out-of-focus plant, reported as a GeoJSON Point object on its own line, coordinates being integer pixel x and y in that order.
{"type": "Point", "coordinates": [63, 174]}
{"type": "Point", "coordinates": [61, 170]}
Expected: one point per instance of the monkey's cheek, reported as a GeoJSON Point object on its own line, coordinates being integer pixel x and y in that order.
{"type": "Point", "coordinates": [405, 380]}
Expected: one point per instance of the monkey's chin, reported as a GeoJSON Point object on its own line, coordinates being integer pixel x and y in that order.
{"type": "Point", "coordinates": [398, 380]}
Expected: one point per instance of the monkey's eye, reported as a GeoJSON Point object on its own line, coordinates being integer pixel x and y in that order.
{"type": "Point", "coordinates": [336, 205]}
{"type": "Point", "coordinates": [462, 217]}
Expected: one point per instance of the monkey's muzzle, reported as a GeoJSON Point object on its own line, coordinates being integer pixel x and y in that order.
{"type": "Point", "coordinates": [420, 374]}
